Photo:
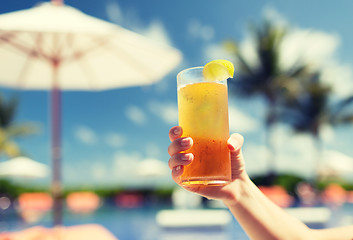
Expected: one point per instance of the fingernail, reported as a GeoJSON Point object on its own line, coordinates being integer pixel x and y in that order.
{"type": "Point", "coordinates": [186, 157]}
{"type": "Point", "coordinates": [177, 131]}
{"type": "Point", "coordinates": [177, 168]}
{"type": "Point", "coordinates": [185, 142]}
{"type": "Point", "coordinates": [231, 147]}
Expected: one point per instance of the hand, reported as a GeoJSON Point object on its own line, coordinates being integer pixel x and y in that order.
{"type": "Point", "coordinates": [178, 160]}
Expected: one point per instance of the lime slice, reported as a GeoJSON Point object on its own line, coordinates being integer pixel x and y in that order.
{"type": "Point", "coordinates": [217, 70]}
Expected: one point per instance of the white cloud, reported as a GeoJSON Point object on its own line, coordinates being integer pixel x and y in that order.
{"type": "Point", "coordinates": [279, 132]}
{"type": "Point", "coordinates": [157, 32]}
{"type": "Point", "coordinates": [327, 133]}
{"type": "Point", "coordinates": [312, 47]}
{"type": "Point", "coordinates": [248, 50]}
{"type": "Point", "coordinates": [115, 140]}
{"type": "Point", "coordinates": [340, 78]}
{"type": "Point", "coordinates": [124, 163]}
{"type": "Point", "coordinates": [153, 150]}
{"type": "Point", "coordinates": [90, 173]}
{"type": "Point", "coordinates": [216, 51]}
{"type": "Point", "coordinates": [297, 154]}
{"type": "Point", "coordinates": [136, 115]}
{"type": "Point", "coordinates": [256, 159]}
{"type": "Point", "coordinates": [272, 14]}
{"type": "Point", "coordinates": [131, 19]}
{"type": "Point", "coordinates": [294, 155]}
{"type": "Point", "coordinates": [318, 50]}
{"type": "Point", "coordinates": [99, 171]}
{"type": "Point", "coordinates": [240, 121]}
{"type": "Point", "coordinates": [152, 168]}
{"type": "Point", "coordinates": [246, 47]}
{"type": "Point", "coordinates": [132, 168]}
{"type": "Point", "coordinates": [85, 135]}
{"type": "Point", "coordinates": [114, 12]}
{"type": "Point", "coordinates": [294, 152]}
{"type": "Point", "coordinates": [167, 111]}
{"type": "Point", "coordinates": [197, 30]}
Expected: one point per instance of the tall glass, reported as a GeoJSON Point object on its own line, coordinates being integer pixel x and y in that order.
{"type": "Point", "coordinates": [203, 115]}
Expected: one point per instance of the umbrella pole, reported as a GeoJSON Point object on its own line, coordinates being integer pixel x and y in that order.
{"type": "Point", "coordinates": [56, 150]}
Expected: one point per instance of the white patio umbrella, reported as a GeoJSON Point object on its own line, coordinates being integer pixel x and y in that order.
{"type": "Point", "coordinates": [23, 167]}
{"type": "Point", "coordinates": [56, 47]}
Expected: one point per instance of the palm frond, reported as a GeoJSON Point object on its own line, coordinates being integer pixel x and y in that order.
{"type": "Point", "coordinates": [21, 130]}
{"type": "Point", "coordinates": [342, 105]}
{"type": "Point", "coordinates": [7, 110]}
{"type": "Point", "coordinates": [11, 149]}
{"type": "Point", "coordinates": [242, 65]}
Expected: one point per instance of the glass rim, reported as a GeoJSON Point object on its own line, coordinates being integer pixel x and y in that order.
{"type": "Point", "coordinates": [197, 74]}
{"type": "Point", "coordinates": [189, 69]}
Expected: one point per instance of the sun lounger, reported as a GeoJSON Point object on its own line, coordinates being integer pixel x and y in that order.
{"type": "Point", "coordinates": [311, 215]}
{"type": "Point", "coordinates": [200, 218]}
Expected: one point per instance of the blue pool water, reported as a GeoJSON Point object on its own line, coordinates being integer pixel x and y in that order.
{"type": "Point", "coordinates": [140, 224]}
{"type": "Point", "coordinates": [126, 224]}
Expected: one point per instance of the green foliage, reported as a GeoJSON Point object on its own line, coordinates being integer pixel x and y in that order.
{"type": "Point", "coordinates": [100, 191]}
{"type": "Point", "coordinates": [321, 185]}
{"type": "Point", "coordinates": [6, 188]}
{"type": "Point", "coordinates": [9, 130]}
{"type": "Point", "coordinates": [162, 192]}
{"type": "Point", "coordinates": [287, 181]}
{"type": "Point", "coordinates": [14, 190]}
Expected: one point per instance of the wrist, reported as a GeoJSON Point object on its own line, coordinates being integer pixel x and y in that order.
{"type": "Point", "coordinates": [237, 190]}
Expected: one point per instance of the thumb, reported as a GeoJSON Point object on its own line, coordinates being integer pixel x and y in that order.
{"type": "Point", "coordinates": [235, 143]}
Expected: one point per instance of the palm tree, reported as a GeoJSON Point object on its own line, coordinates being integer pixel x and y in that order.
{"type": "Point", "coordinates": [311, 109]}
{"type": "Point", "coordinates": [307, 111]}
{"type": "Point", "coordinates": [266, 78]}
{"type": "Point", "coordinates": [9, 130]}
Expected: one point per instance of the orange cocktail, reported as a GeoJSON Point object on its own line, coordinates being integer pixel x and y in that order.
{"type": "Point", "coordinates": [203, 115]}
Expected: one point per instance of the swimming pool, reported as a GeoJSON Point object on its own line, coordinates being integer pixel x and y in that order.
{"type": "Point", "coordinates": [126, 224]}
{"type": "Point", "coordinates": [140, 223]}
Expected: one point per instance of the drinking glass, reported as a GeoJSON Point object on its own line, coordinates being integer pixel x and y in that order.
{"type": "Point", "coordinates": [203, 115]}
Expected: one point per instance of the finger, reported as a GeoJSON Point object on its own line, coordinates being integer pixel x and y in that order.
{"type": "Point", "coordinates": [175, 132]}
{"type": "Point", "coordinates": [176, 173]}
{"type": "Point", "coordinates": [179, 145]}
{"type": "Point", "coordinates": [235, 142]}
{"type": "Point", "coordinates": [180, 159]}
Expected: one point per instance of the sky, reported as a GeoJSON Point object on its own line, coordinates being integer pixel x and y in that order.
{"type": "Point", "coordinates": [107, 134]}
